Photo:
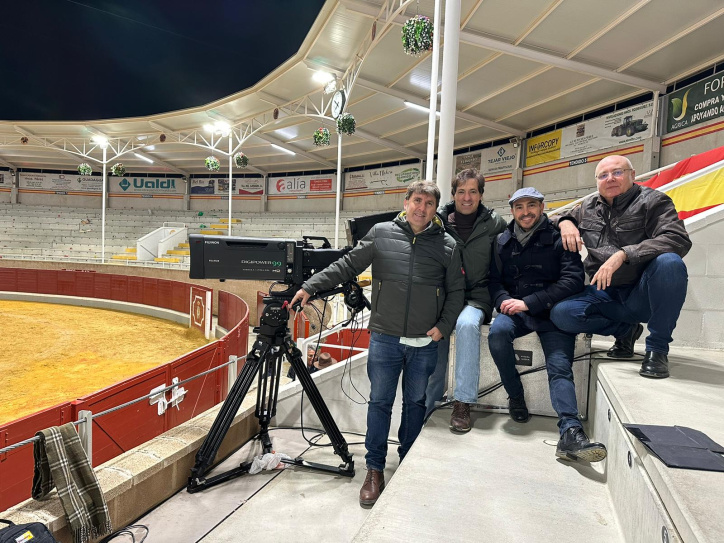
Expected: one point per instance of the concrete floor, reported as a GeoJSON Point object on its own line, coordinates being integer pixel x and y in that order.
{"type": "Point", "coordinates": [500, 482]}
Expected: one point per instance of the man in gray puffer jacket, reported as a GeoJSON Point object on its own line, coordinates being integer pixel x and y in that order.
{"type": "Point", "coordinates": [417, 294]}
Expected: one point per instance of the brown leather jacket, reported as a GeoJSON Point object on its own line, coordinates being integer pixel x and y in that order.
{"type": "Point", "coordinates": [642, 221]}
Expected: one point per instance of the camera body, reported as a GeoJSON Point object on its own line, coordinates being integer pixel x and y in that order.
{"type": "Point", "coordinates": [274, 259]}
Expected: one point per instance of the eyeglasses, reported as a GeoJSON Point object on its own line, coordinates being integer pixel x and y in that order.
{"type": "Point", "coordinates": [615, 173]}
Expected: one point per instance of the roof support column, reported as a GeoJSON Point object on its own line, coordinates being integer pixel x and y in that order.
{"type": "Point", "coordinates": [104, 203]}
{"type": "Point", "coordinates": [449, 96]}
{"type": "Point", "coordinates": [338, 200]}
{"type": "Point", "coordinates": [432, 122]}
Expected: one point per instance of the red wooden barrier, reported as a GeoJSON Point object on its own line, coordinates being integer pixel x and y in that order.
{"type": "Point", "coordinates": [125, 428]}
{"type": "Point", "coordinates": [16, 466]}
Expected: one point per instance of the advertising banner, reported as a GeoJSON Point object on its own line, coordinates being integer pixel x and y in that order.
{"type": "Point", "coordinates": [60, 183]}
{"type": "Point", "coordinates": [697, 103]}
{"type": "Point", "coordinates": [221, 186]}
{"type": "Point", "coordinates": [543, 148]}
{"type": "Point", "coordinates": [492, 161]}
{"type": "Point", "coordinates": [202, 186]}
{"type": "Point", "coordinates": [467, 161]}
{"type": "Point", "coordinates": [302, 184]}
{"type": "Point", "coordinates": [146, 185]}
{"type": "Point", "coordinates": [611, 130]}
{"type": "Point", "coordinates": [383, 178]}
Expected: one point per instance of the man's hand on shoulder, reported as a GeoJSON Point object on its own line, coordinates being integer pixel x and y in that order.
{"type": "Point", "coordinates": [434, 333]}
{"type": "Point", "coordinates": [602, 278]}
{"type": "Point", "coordinates": [511, 306]}
{"type": "Point", "coordinates": [570, 236]}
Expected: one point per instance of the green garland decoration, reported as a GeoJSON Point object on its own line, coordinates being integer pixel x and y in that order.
{"type": "Point", "coordinates": [85, 169]}
{"type": "Point", "coordinates": [346, 124]}
{"type": "Point", "coordinates": [321, 136]}
{"type": "Point", "coordinates": [212, 163]}
{"type": "Point", "coordinates": [118, 169]}
{"type": "Point", "coordinates": [241, 160]}
{"type": "Point", "coordinates": [417, 35]}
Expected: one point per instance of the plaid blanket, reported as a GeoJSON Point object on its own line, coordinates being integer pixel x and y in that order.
{"type": "Point", "coordinates": [61, 462]}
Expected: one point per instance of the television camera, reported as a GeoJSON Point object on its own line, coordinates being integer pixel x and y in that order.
{"type": "Point", "coordinates": [287, 262]}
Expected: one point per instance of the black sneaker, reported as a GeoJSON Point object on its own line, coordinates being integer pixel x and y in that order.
{"type": "Point", "coordinates": [518, 410]}
{"type": "Point", "coordinates": [624, 346]}
{"type": "Point", "coordinates": [574, 445]}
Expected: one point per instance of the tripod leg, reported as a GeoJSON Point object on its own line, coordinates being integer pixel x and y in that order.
{"type": "Point", "coordinates": [338, 442]}
{"type": "Point", "coordinates": [207, 452]}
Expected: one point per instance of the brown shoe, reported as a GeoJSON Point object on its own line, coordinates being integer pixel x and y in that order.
{"type": "Point", "coordinates": [373, 487]}
{"type": "Point", "coordinates": [460, 419]}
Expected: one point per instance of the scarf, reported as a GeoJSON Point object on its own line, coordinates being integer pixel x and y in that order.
{"type": "Point", "coordinates": [522, 236]}
{"type": "Point", "coordinates": [61, 462]}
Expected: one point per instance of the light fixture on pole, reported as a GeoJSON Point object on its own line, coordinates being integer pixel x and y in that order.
{"type": "Point", "coordinates": [102, 142]}
{"type": "Point", "coordinates": [280, 148]}
{"type": "Point", "coordinates": [223, 129]}
{"type": "Point", "coordinates": [419, 107]}
{"type": "Point", "coordinates": [143, 158]}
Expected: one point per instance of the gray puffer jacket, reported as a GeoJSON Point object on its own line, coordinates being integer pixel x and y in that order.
{"type": "Point", "coordinates": [417, 282]}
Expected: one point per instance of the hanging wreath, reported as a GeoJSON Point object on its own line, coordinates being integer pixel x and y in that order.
{"type": "Point", "coordinates": [321, 136]}
{"type": "Point", "coordinates": [241, 160]}
{"type": "Point", "coordinates": [417, 35]}
{"type": "Point", "coordinates": [85, 169]}
{"type": "Point", "coordinates": [212, 163]}
{"type": "Point", "coordinates": [346, 124]}
{"type": "Point", "coordinates": [118, 169]}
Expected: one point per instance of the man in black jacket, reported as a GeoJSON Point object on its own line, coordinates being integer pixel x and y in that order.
{"type": "Point", "coordinates": [417, 294]}
{"type": "Point", "coordinates": [635, 242]}
{"type": "Point", "coordinates": [529, 273]}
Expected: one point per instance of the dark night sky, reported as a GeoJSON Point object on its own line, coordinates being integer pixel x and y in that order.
{"type": "Point", "coordinates": [101, 59]}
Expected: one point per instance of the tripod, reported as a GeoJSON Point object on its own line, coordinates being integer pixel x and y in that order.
{"type": "Point", "coordinates": [264, 361]}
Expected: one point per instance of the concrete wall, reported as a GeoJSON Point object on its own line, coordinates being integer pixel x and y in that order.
{"type": "Point", "coordinates": [680, 145]}
{"type": "Point", "coordinates": [374, 203]}
{"type": "Point", "coordinates": [58, 200]}
{"type": "Point", "coordinates": [701, 323]}
{"type": "Point", "coordinates": [302, 205]}
{"type": "Point", "coordinates": [167, 204]}
{"type": "Point", "coordinates": [238, 206]}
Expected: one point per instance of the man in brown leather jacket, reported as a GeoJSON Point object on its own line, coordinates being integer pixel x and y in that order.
{"type": "Point", "coordinates": [635, 244]}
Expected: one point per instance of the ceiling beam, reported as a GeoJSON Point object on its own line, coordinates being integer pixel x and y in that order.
{"type": "Point", "coordinates": [365, 135]}
{"type": "Point", "coordinates": [297, 150]}
{"type": "Point", "coordinates": [8, 164]}
{"type": "Point", "coordinates": [62, 151]}
{"type": "Point", "coordinates": [382, 142]}
{"type": "Point", "coordinates": [371, 85]}
{"type": "Point", "coordinates": [472, 38]}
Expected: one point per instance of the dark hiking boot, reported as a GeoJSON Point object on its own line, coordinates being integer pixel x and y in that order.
{"type": "Point", "coordinates": [624, 346]}
{"type": "Point", "coordinates": [574, 445]}
{"type": "Point", "coordinates": [518, 410]}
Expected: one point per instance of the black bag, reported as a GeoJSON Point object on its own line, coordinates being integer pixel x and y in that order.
{"type": "Point", "coordinates": [34, 532]}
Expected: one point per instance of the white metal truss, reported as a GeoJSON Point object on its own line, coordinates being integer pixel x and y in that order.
{"type": "Point", "coordinates": [472, 38]}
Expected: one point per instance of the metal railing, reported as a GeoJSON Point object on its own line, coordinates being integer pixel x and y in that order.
{"type": "Point", "coordinates": [85, 427]}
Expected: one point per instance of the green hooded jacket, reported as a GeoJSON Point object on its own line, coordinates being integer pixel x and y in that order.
{"type": "Point", "coordinates": [476, 253]}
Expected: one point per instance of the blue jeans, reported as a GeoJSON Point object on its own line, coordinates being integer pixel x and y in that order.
{"type": "Point", "coordinates": [467, 360]}
{"type": "Point", "coordinates": [386, 359]}
{"type": "Point", "coordinates": [656, 299]}
{"type": "Point", "coordinates": [558, 348]}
